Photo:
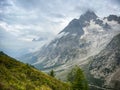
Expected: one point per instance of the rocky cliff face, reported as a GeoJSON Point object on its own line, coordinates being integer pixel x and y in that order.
{"type": "Point", "coordinates": [82, 38]}
{"type": "Point", "coordinates": [106, 64]}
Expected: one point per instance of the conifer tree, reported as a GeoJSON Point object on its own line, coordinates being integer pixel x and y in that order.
{"type": "Point", "coordinates": [77, 79]}
{"type": "Point", "coordinates": [52, 73]}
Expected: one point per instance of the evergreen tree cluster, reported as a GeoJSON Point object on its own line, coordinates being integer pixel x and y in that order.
{"type": "Point", "coordinates": [77, 79]}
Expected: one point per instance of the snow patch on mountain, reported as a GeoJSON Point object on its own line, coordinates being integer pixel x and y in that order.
{"type": "Point", "coordinates": [74, 34]}
{"type": "Point", "coordinates": [82, 38]}
{"type": "Point", "coordinates": [62, 34]}
{"type": "Point", "coordinates": [92, 28]}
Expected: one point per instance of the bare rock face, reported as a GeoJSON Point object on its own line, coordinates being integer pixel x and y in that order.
{"type": "Point", "coordinates": [77, 42]}
{"type": "Point", "coordinates": [113, 18]}
{"type": "Point", "coordinates": [115, 80]}
{"type": "Point", "coordinates": [106, 64]}
{"type": "Point", "coordinates": [80, 39]}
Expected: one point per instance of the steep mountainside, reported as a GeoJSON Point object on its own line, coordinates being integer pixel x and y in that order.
{"type": "Point", "coordinates": [15, 75]}
{"type": "Point", "coordinates": [82, 38]}
{"type": "Point", "coordinates": [106, 65]}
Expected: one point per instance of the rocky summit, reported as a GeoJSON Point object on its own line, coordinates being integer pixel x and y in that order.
{"type": "Point", "coordinates": [79, 40]}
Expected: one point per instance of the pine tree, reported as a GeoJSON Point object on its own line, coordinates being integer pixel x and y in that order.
{"type": "Point", "coordinates": [52, 73]}
{"type": "Point", "coordinates": [77, 79]}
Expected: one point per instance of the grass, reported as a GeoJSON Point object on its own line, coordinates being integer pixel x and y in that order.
{"type": "Point", "coordinates": [15, 75]}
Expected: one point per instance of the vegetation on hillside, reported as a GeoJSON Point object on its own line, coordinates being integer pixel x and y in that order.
{"type": "Point", "coordinates": [77, 79]}
{"type": "Point", "coordinates": [15, 75]}
{"type": "Point", "coordinates": [52, 73]}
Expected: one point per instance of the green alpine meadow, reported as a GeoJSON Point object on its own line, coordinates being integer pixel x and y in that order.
{"type": "Point", "coordinates": [15, 75]}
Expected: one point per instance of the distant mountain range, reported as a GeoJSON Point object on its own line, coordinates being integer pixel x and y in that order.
{"type": "Point", "coordinates": [91, 42]}
{"type": "Point", "coordinates": [80, 39]}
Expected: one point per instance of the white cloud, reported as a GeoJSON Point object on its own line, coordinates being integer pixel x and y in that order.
{"type": "Point", "coordinates": [28, 19]}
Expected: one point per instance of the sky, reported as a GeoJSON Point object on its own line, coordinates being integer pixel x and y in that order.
{"type": "Point", "coordinates": [21, 21]}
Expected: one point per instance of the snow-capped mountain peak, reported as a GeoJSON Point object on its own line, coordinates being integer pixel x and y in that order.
{"type": "Point", "coordinates": [80, 39]}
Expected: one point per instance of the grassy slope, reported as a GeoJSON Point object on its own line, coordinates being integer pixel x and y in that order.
{"type": "Point", "coordinates": [15, 75]}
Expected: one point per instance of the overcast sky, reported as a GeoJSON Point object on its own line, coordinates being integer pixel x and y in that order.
{"type": "Point", "coordinates": [23, 20]}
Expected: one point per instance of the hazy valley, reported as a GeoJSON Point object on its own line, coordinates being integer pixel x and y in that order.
{"type": "Point", "coordinates": [59, 45]}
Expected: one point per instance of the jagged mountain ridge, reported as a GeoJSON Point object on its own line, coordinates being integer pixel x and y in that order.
{"type": "Point", "coordinates": [76, 42]}
{"type": "Point", "coordinates": [106, 65]}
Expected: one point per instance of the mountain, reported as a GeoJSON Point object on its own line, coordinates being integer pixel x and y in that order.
{"type": "Point", "coordinates": [114, 17]}
{"type": "Point", "coordinates": [15, 75]}
{"type": "Point", "coordinates": [79, 40]}
{"type": "Point", "coordinates": [106, 65]}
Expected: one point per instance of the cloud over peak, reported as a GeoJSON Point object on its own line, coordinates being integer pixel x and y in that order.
{"type": "Point", "coordinates": [29, 19]}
